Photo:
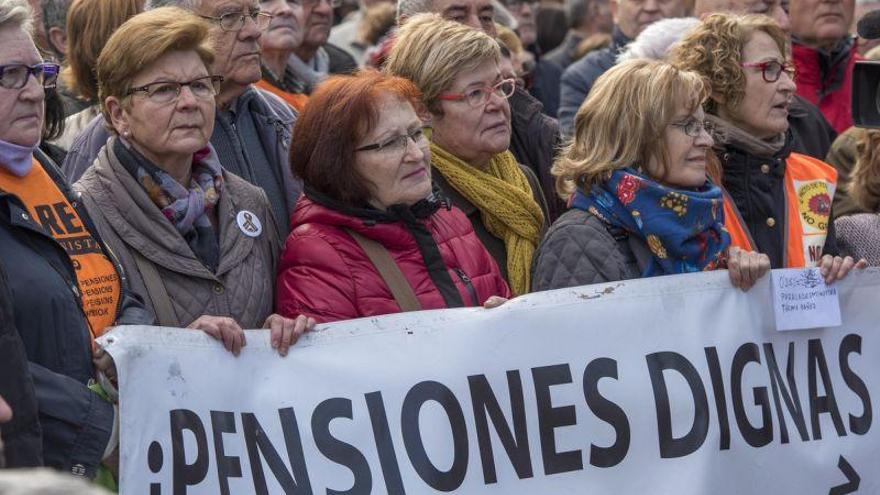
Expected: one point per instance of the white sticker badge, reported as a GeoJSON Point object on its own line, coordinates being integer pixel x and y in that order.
{"type": "Point", "coordinates": [249, 223]}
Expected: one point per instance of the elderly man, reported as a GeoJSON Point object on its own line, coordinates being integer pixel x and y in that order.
{"type": "Point", "coordinates": [813, 135]}
{"type": "Point", "coordinates": [825, 53]}
{"type": "Point", "coordinates": [315, 58]}
{"type": "Point", "coordinates": [630, 18]}
{"type": "Point", "coordinates": [535, 136]}
{"type": "Point", "coordinates": [282, 37]}
{"type": "Point", "coordinates": [252, 128]}
{"type": "Point", "coordinates": [585, 18]}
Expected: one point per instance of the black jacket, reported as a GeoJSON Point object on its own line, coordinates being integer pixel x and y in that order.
{"type": "Point", "coordinates": [48, 314]}
{"type": "Point", "coordinates": [340, 60]}
{"type": "Point", "coordinates": [759, 194]}
{"type": "Point", "coordinates": [22, 438]}
{"type": "Point", "coordinates": [813, 135]}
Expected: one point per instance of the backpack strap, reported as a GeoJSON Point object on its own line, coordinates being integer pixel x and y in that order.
{"type": "Point", "coordinates": [389, 271]}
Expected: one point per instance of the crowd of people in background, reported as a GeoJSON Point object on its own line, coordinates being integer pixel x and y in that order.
{"type": "Point", "coordinates": [223, 165]}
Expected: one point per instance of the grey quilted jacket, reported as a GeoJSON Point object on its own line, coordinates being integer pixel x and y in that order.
{"type": "Point", "coordinates": [133, 226]}
{"type": "Point", "coordinates": [580, 250]}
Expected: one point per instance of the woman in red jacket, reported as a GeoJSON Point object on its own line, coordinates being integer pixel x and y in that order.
{"type": "Point", "coordinates": [369, 237]}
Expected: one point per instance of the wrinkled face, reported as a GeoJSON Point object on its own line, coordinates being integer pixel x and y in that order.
{"type": "Point", "coordinates": [635, 15]}
{"type": "Point", "coordinates": [524, 11]}
{"type": "Point", "coordinates": [763, 111]}
{"type": "Point", "coordinates": [21, 110]}
{"type": "Point", "coordinates": [161, 131]}
{"type": "Point", "coordinates": [395, 174]}
{"type": "Point", "coordinates": [821, 23]}
{"type": "Point", "coordinates": [319, 20]}
{"type": "Point", "coordinates": [237, 53]}
{"type": "Point", "coordinates": [771, 8]}
{"type": "Point", "coordinates": [687, 154]}
{"type": "Point", "coordinates": [474, 133]}
{"type": "Point", "coordinates": [285, 32]}
{"type": "Point", "coordinates": [477, 14]}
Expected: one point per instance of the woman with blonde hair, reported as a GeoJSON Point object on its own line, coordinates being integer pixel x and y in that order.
{"type": "Point", "coordinates": [635, 176]}
{"type": "Point", "coordinates": [457, 70]}
{"type": "Point", "coordinates": [858, 235]}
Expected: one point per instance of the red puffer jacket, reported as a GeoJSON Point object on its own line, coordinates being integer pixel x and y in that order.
{"type": "Point", "coordinates": [326, 275]}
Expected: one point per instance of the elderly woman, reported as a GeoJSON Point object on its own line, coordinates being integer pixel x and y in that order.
{"type": "Point", "coordinates": [457, 70]}
{"type": "Point", "coordinates": [281, 38]}
{"type": "Point", "coordinates": [65, 289]}
{"type": "Point", "coordinates": [197, 241]}
{"type": "Point", "coordinates": [781, 200]}
{"type": "Point", "coordinates": [635, 175]}
{"type": "Point", "coordinates": [370, 237]}
{"type": "Point", "coordinates": [859, 234]}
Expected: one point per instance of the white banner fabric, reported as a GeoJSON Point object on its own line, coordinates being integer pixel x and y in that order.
{"type": "Point", "coordinates": [671, 385]}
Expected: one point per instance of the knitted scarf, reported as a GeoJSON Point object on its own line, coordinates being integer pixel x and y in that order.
{"type": "Point", "coordinates": [186, 208]}
{"type": "Point", "coordinates": [684, 229]}
{"type": "Point", "coordinates": [506, 203]}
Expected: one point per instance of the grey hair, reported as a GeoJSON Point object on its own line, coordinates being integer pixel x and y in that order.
{"type": "Point", "coordinates": [656, 40]}
{"type": "Point", "coordinates": [409, 8]}
{"type": "Point", "coordinates": [55, 13]}
{"type": "Point", "coordinates": [17, 13]}
{"type": "Point", "coordinates": [191, 5]}
{"type": "Point", "coordinates": [575, 11]}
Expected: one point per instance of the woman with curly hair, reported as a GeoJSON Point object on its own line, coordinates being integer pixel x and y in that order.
{"type": "Point", "coordinates": [635, 176]}
{"type": "Point", "coordinates": [779, 201]}
{"type": "Point", "coordinates": [858, 235]}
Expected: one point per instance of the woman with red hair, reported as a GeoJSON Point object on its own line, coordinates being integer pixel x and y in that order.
{"type": "Point", "coordinates": [369, 237]}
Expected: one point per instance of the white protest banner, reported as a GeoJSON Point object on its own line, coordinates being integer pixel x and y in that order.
{"type": "Point", "coordinates": [672, 385]}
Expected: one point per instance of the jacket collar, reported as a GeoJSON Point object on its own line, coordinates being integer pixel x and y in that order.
{"type": "Point", "coordinates": [618, 39]}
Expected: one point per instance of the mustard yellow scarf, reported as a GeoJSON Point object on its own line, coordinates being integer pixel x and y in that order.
{"type": "Point", "coordinates": [506, 203]}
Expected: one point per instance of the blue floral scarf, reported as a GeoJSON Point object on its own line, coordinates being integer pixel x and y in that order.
{"type": "Point", "coordinates": [684, 229]}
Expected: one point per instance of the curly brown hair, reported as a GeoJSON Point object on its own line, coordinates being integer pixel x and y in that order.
{"type": "Point", "coordinates": [714, 50]}
{"type": "Point", "coordinates": [864, 183]}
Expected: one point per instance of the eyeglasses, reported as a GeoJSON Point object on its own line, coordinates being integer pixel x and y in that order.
{"type": "Point", "coordinates": [480, 96]}
{"type": "Point", "coordinates": [234, 21]}
{"type": "Point", "coordinates": [771, 70]}
{"type": "Point", "coordinates": [310, 4]}
{"type": "Point", "coordinates": [692, 127]}
{"type": "Point", "coordinates": [397, 144]}
{"type": "Point", "coordinates": [203, 88]}
{"type": "Point", "coordinates": [15, 76]}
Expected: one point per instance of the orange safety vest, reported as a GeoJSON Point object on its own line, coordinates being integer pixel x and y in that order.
{"type": "Point", "coordinates": [297, 101]}
{"type": "Point", "coordinates": [809, 190]}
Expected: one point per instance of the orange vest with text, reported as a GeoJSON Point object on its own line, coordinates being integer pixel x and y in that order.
{"type": "Point", "coordinates": [809, 190]}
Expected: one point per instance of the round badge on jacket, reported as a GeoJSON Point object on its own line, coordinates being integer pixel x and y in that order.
{"type": "Point", "coordinates": [248, 223]}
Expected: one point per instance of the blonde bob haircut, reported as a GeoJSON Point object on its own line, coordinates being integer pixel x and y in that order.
{"type": "Point", "coordinates": [864, 182]}
{"type": "Point", "coordinates": [714, 49]}
{"type": "Point", "coordinates": [623, 121]}
{"type": "Point", "coordinates": [431, 51]}
{"type": "Point", "coordinates": [141, 41]}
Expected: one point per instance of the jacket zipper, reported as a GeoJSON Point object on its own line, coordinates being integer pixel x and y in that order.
{"type": "Point", "coordinates": [468, 284]}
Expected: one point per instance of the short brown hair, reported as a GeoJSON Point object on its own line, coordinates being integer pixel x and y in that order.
{"type": "Point", "coordinates": [89, 25]}
{"type": "Point", "coordinates": [341, 111]}
{"type": "Point", "coordinates": [144, 39]}
{"type": "Point", "coordinates": [714, 49]}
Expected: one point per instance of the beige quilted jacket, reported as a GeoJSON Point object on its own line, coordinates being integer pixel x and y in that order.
{"type": "Point", "coordinates": [132, 225]}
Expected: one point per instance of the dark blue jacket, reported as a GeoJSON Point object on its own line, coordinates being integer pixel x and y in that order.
{"type": "Point", "coordinates": [48, 314]}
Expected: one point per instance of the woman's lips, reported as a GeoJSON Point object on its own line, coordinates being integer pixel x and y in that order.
{"type": "Point", "coordinates": [416, 173]}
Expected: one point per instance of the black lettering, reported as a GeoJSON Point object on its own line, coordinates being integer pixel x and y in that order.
{"type": "Point", "coordinates": [670, 446]}
{"type": "Point", "coordinates": [444, 481]}
{"type": "Point", "coordinates": [852, 343]}
{"type": "Point", "coordinates": [550, 418]}
{"type": "Point", "coordinates": [384, 444]}
{"type": "Point", "coordinates": [338, 451]}
{"type": "Point", "coordinates": [789, 393]}
{"type": "Point", "coordinates": [66, 218]}
{"type": "Point", "coordinates": [608, 412]}
{"type": "Point", "coordinates": [183, 474]}
{"type": "Point", "coordinates": [257, 443]}
{"type": "Point", "coordinates": [756, 437]}
{"type": "Point", "coordinates": [227, 466]}
{"type": "Point", "coordinates": [821, 404]}
{"type": "Point", "coordinates": [516, 446]}
{"type": "Point", "coordinates": [47, 219]}
{"type": "Point", "coordinates": [720, 397]}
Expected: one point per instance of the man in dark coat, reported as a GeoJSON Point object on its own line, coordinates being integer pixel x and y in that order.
{"type": "Point", "coordinates": [585, 18]}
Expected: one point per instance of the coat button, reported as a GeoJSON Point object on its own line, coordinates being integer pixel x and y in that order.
{"type": "Point", "coordinates": [765, 168]}
{"type": "Point", "coordinates": [218, 289]}
{"type": "Point", "coordinates": [771, 221]}
{"type": "Point", "coordinates": [78, 470]}
{"type": "Point", "coordinates": [24, 216]}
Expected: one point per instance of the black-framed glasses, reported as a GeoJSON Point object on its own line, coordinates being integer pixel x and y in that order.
{"type": "Point", "coordinates": [234, 21]}
{"type": "Point", "coordinates": [480, 96]}
{"type": "Point", "coordinates": [398, 144]}
{"type": "Point", "coordinates": [692, 127]}
{"type": "Point", "coordinates": [15, 76]}
{"type": "Point", "coordinates": [161, 92]}
{"type": "Point", "coordinates": [771, 69]}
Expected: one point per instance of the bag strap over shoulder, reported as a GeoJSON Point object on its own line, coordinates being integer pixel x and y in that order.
{"type": "Point", "coordinates": [156, 291]}
{"type": "Point", "coordinates": [389, 271]}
